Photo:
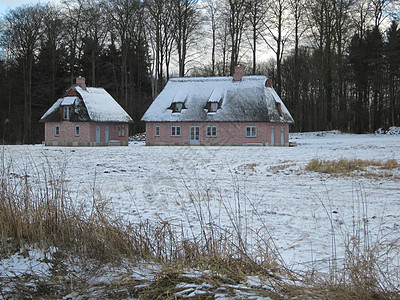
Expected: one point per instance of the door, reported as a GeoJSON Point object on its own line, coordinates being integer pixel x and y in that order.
{"type": "Point", "coordinates": [107, 137]}
{"type": "Point", "coordinates": [194, 135]}
{"type": "Point", "coordinates": [272, 136]}
{"type": "Point", "coordinates": [97, 134]}
{"type": "Point", "coordinates": [283, 136]}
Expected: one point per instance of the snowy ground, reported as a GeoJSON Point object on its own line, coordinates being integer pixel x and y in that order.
{"type": "Point", "coordinates": [264, 188]}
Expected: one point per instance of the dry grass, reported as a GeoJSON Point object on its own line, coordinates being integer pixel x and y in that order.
{"type": "Point", "coordinates": [353, 167]}
{"type": "Point", "coordinates": [251, 166]}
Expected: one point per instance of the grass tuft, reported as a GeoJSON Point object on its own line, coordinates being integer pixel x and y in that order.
{"type": "Point", "coordinates": [352, 167]}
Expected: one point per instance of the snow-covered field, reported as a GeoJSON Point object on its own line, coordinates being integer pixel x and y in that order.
{"type": "Point", "coordinates": [263, 189]}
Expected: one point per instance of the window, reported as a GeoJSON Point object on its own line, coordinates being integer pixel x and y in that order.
{"type": "Point", "coordinates": [278, 108]}
{"type": "Point", "coordinates": [57, 130]}
{"type": "Point", "coordinates": [251, 131]}
{"type": "Point", "coordinates": [77, 131]}
{"type": "Point", "coordinates": [157, 130]}
{"type": "Point", "coordinates": [175, 130]}
{"type": "Point", "coordinates": [67, 112]}
{"type": "Point", "coordinates": [177, 107]}
{"type": "Point", "coordinates": [121, 131]}
{"type": "Point", "coordinates": [212, 107]}
{"type": "Point", "coordinates": [211, 130]}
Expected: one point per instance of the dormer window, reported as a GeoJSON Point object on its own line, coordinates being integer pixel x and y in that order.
{"type": "Point", "coordinates": [278, 108]}
{"type": "Point", "coordinates": [212, 107]}
{"type": "Point", "coordinates": [67, 103]}
{"type": "Point", "coordinates": [176, 107]}
{"type": "Point", "coordinates": [67, 112]}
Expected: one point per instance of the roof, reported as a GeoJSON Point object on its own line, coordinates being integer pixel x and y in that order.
{"type": "Point", "coordinates": [248, 100]}
{"type": "Point", "coordinates": [69, 100]}
{"type": "Point", "coordinates": [92, 104]}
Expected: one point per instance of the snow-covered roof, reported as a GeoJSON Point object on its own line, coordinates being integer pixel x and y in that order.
{"type": "Point", "coordinates": [91, 104]}
{"type": "Point", "coordinates": [51, 110]}
{"type": "Point", "coordinates": [101, 106]}
{"type": "Point", "coordinates": [239, 101]}
{"type": "Point", "coordinates": [69, 100]}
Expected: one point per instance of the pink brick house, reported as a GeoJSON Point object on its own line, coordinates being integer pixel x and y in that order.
{"type": "Point", "coordinates": [86, 116]}
{"type": "Point", "coordinates": [238, 110]}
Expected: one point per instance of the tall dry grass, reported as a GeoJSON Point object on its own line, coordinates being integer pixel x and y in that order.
{"type": "Point", "coordinates": [349, 166]}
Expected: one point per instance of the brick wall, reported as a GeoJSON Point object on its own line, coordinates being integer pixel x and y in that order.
{"type": "Point", "coordinates": [228, 133]}
{"type": "Point", "coordinates": [87, 133]}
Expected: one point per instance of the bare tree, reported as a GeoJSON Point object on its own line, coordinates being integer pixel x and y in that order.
{"type": "Point", "coordinates": [124, 15]}
{"type": "Point", "coordinates": [257, 11]}
{"type": "Point", "coordinates": [95, 30]}
{"type": "Point", "coordinates": [52, 41]}
{"type": "Point", "coordinates": [276, 29]}
{"type": "Point", "coordinates": [297, 12]}
{"type": "Point", "coordinates": [186, 15]}
{"type": "Point", "coordinates": [223, 44]}
{"type": "Point", "coordinates": [22, 35]}
{"type": "Point", "coordinates": [380, 9]}
{"type": "Point", "coordinates": [159, 22]}
{"type": "Point", "coordinates": [342, 31]}
{"type": "Point", "coordinates": [361, 15]}
{"type": "Point", "coordinates": [237, 11]}
{"type": "Point", "coordinates": [322, 21]}
{"type": "Point", "coordinates": [212, 6]}
{"type": "Point", "coordinates": [73, 17]}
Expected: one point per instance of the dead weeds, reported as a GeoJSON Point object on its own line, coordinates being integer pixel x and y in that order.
{"type": "Point", "coordinates": [356, 167]}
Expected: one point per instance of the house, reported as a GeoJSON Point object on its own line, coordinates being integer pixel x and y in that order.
{"type": "Point", "coordinates": [86, 116]}
{"type": "Point", "coordinates": [238, 110]}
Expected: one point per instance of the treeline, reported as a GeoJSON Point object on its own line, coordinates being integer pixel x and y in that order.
{"type": "Point", "coordinates": [335, 63]}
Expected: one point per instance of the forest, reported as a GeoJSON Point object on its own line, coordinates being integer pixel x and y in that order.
{"type": "Point", "coordinates": [335, 63]}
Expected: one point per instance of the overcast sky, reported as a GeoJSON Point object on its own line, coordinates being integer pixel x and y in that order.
{"type": "Point", "coordinates": [11, 4]}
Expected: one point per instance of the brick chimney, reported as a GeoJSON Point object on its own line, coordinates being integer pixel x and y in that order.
{"type": "Point", "coordinates": [80, 81]}
{"type": "Point", "coordinates": [237, 76]}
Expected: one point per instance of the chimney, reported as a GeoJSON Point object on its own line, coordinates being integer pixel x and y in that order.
{"type": "Point", "coordinates": [81, 82]}
{"type": "Point", "coordinates": [237, 76]}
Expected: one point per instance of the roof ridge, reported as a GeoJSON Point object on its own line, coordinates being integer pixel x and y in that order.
{"type": "Point", "coordinates": [217, 78]}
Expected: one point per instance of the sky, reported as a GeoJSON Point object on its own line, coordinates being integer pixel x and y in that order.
{"type": "Point", "coordinates": [5, 5]}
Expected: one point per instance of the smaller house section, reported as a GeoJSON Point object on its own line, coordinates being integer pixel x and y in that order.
{"type": "Point", "coordinates": [238, 110]}
{"type": "Point", "coordinates": [86, 116]}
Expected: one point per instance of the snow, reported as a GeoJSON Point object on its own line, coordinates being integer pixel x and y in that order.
{"type": "Point", "coordinates": [32, 262]}
{"type": "Point", "coordinates": [390, 131]}
{"type": "Point", "coordinates": [53, 108]}
{"type": "Point", "coordinates": [263, 189]}
{"type": "Point", "coordinates": [69, 100]}
{"type": "Point", "coordinates": [98, 103]}
{"type": "Point", "coordinates": [101, 106]}
{"type": "Point", "coordinates": [247, 100]}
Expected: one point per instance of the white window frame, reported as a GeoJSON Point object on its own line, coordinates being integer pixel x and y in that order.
{"type": "Point", "coordinates": [121, 130]}
{"type": "Point", "coordinates": [77, 130]}
{"type": "Point", "coordinates": [57, 130]}
{"type": "Point", "coordinates": [211, 131]}
{"type": "Point", "coordinates": [156, 130]}
{"type": "Point", "coordinates": [175, 130]}
{"type": "Point", "coordinates": [251, 131]}
{"type": "Point", "coordinates": [67, 112]}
